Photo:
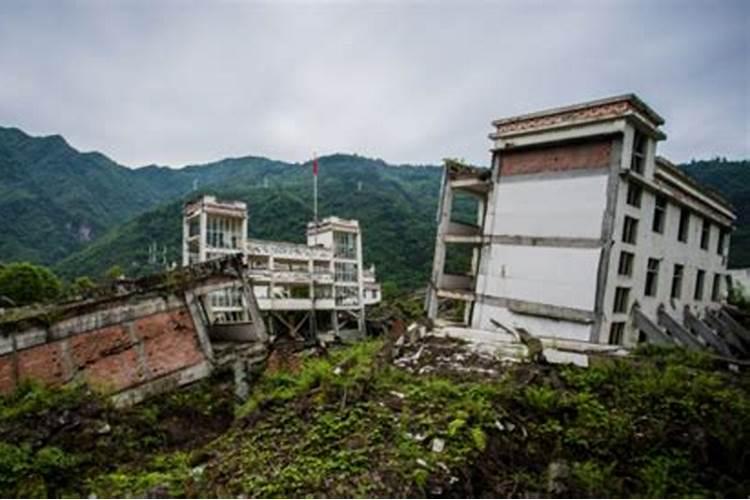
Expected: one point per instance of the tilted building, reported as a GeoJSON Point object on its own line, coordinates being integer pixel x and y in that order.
{"type": "Point", "coordinates": [318, 286]}
{"type": "Point", "coordinates": [584, 234]}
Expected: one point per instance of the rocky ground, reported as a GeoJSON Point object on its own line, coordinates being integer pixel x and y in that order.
{"type": "Point", "coordinates": [395, 418]}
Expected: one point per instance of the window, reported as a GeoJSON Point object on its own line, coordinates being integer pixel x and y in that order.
{"type": "Point", "coordinates": [635, 193]}
{"type": "Point", "coordinates": [682, 231]}
{"type": "Point", "coordinates": [344, 245]}
{"type": "Point", "coordinates": [677, 281]}
{"type": "Point", "coordinates": [700, 278]}
{"type": "Point", "coordinates": [721, 242]}
{"type": "Point", "coordinates": [716, 288]}
{"type": "Point", "coordinates": [626, 264]}
{"type": "Point", "coordinates": [621, 299]}
{"type": "Point", "coordinates": [705, 233]}
{"type": "Point", "coordinates": [616, 333]}
{"type": "Point", "coordinates": [660, 213]}
{"type": "Point", "coordinates": [652, 277]}
{"type": "Point", "coordinates": [638, 158]}
{"type": "Point", "coordinates": [630, 230]}
{"type": "Point", "coordinates": [222, 232]}
{"type": "Point", "coordinates": [346, 271]}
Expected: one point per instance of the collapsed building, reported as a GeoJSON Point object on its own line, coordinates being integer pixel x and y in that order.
{"type": "Point", "coordinates": [320, 287]}
{"type": "Point", "coordinates": [144, 337]}
{"type": "Point", "coordinates": [585, 237]}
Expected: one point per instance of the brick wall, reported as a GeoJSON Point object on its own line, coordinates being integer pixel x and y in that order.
{"type": "Point", "coordinates": [580, 155]}
{"type": "Point", "coordinates": [112, 358]}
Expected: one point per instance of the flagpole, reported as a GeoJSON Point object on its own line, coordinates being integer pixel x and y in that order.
{"type": "Point", "coordinates": [314, 314]}
{"type": "Point", "coordinates": [315, 188]}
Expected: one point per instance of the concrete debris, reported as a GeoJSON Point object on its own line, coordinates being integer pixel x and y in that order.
{"type": "Point", "coordinates": [557, 472]}
{"type": "Point", "coordinates": [438, 445]}
{"type": "Point", "coordinates": [197, 471]}
{"type": "Point", "coordinates": [416, 437]}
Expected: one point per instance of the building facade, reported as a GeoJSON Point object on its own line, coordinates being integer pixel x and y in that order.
{"type": "Point", "coordinates": [583, 232]}
{"type": "Point", "coordinates": [318, 286]}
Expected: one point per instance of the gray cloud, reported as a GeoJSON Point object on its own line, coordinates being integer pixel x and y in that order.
{"type": "Point", "coordinates": [178, 82]}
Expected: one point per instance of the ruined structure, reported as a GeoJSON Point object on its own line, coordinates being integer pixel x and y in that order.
{"type": "Point", "coordinates": [584, 235]}
{"type": "Point", "coordinates": [146, 337]}
{"type": "Point", "coordinates": [314, 287]}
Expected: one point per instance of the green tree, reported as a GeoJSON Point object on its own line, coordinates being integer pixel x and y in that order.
{"type": "Point", "coordinates": [113, 273]}
{"type": "Point", "coordinates": [81, 286]}
{"type": "Point", "coordinates": [26, 283]}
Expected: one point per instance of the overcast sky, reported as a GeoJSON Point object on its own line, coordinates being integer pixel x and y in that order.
{"type": "Point", "coordinates": [180, 82]}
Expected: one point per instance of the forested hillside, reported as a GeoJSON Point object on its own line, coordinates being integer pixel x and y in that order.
{"type": "Point", "coordinates": [396, 206]}
{"type": "Point", "coordinates": [732, 179]}
{"type": "Point", "coordinates": [82, 212]}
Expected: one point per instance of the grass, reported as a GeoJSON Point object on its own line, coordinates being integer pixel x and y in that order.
{"type": "Point", "coordinates": [661, 423]}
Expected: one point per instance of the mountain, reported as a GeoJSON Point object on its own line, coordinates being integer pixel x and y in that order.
{"type": "Point", "coordinates": [82, 213]}
{"type": "Point", "coordinates": [395, 204]}
{"type": "Point", "coordinates": [54, 200]}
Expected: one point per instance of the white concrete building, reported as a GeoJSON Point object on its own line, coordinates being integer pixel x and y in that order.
{"type": "Point", "coordinates": [583, 233]}
{"type": "Point", "coordinates": [320, 285]}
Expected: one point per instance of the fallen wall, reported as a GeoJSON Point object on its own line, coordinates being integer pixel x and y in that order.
{"type": "Point", "coordinates": [143, 341]}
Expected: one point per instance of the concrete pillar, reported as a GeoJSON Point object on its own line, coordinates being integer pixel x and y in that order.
{"type": "Point", "coordinates": [185, 235]}
{"type": "Point", "coordinates": [438, 262]}
{"type": "Point", "coordinates": [335, 321]}
{"type": "Point", "coordinates": [360, 284]}
{"type": "Point", "coordinates": [203, 236]}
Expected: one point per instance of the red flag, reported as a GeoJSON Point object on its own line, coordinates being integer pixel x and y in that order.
{"type": "Point", "coordinates": [315, 167]}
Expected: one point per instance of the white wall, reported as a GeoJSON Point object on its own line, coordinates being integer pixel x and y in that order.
{"type": "Point", "coordinates": [557, 206]}
{"type": "Point", "coordinates": [564, 277]}
{"type": "Point", "coordinates": [539, 327]}
{"type": "Point", "coordinates": [570, 207]}
{"type": "Point", "coordinates": [670, 251]}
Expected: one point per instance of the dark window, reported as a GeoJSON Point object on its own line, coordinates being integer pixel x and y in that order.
{"type": "Point", "coordinates": [638, 160]}
{"type": "Point", "coordinates": [677, 281]}
{"type": "Point", "coordinates": [716, 288]}
{"type": "Point", "coordinates": [616, 332]}
{"type": "Point", "coordinates": [642, 337]}
{"type": "Point", "coordinates": [700, 278]}
{"type": "Point", "coordinates": [705, 233]}
{"type": "Point", "coordinates": [621, 299]}
{"type": "Point", "coordinates": [626, 264]}
{"type": "Point", "coordinates": [652, 277]}
{"type": "Point", "coordinates": [660, 213]}
{"type": "Point", "coordinates": [722, 239]}
{"type": "Point", "coordinates": [682, 231]}
{"type": "Point", "coordinates": [630, 230]}
{"type": "Point", "coordinates": [635, 193]}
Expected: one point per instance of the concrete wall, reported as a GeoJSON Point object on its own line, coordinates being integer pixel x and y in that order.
{"type": "Point", "coordinates": [113, 348]}
{"type": "Point", "coordinates": [669, 251]}
{"type": "Point", "coordinates": [662, 246]}
{"type": "Point", "coordinates": [544, 229]}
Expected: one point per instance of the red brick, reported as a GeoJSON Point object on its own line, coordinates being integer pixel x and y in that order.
{"type": "Point", "coordinates": [44, 363]}
{"type": "Point", "coordinates": [7, 377]}
{"type": "Point", "coordinates": [89, 347]}
{"type": "Point", "coordinates": [582, 155]}
{"type": "Point", "coordinates": [170, 341]}
{"type": "Point", "coordinates": [115, 372]}
{"type": "Point", "coordinates": [154, 325]}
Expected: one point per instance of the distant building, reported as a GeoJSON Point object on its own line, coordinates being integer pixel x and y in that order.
{"type": "Point", "coordinates": [318, 286]}
{"type": "Point", "coordinates": [741, 281]}
{"type": "Point", "coordinates": [583, 233]}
